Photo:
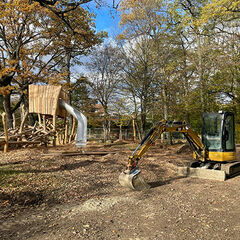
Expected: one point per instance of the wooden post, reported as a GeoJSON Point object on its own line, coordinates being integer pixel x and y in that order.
{"type": "Point", "coordinates": [14, 121]}
{"type": "Point", "coordinates": [73, 129]}
{"type": "Point", "coordinates": [54, 129]}
{"type": "Point", "coordinates": [22, 112]}
{"type": "Point", "coordinates": [5, 132]}
{"type": "Point", "coordinates": [66, 133]}
{"type": "Point", "coordinates": [62, 138]}
{"type": "Point", "coordinates": [23, 121]}
{"type": "Point", "coordinates": [44, 122]}
{"type": "Point", "coordinates": [89, 133]}
{"type": "Point", "coordinates": [39, 119]}
{"type": "Point", "coordinates": [134, 130]}
{"type": "Point", "coordinates": [58, 139]}
{"type": "Point", "coordinates": [120, 132]}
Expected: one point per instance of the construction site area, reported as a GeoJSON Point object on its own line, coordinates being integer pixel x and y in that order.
{"type": "Point", "coordinates": [56, 193]}
{"type": "Point", "coordinates": [119, 120]}
{"type": "Point", "coordinates": [62, 184]}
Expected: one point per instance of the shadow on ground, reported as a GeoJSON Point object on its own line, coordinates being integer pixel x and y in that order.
{"type": "Point", "coordinates": [161, 183]}
{"type": "Point", "coordinates": [68, 166]}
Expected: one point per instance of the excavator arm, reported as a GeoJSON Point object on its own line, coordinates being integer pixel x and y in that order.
{"type": "Point", "coordinates": [164, 126]}
{"type": "Point", "coordinates": [131, 178]}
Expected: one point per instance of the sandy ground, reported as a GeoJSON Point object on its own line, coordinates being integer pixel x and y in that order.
{"type": "Point", "coordinates": [79, 197]}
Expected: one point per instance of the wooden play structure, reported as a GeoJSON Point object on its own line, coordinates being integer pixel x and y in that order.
{"type": "Point", "coordinates": [48, 102]}
{"type": "Point", "coordinates": [44, 101]}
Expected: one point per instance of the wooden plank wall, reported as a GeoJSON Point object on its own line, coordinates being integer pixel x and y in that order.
{"type": "Point", "coordinates": [43, 99]}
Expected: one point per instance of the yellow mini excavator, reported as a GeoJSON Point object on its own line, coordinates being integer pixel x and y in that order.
{"type": "Point", "coordinates": [214, 154]}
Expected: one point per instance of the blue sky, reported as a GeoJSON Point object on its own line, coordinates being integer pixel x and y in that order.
{"type": "Point", "coordinates": [107, 18]}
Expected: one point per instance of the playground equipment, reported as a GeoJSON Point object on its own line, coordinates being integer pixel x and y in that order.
{"type": "Point", "coordinates": [52, 100]}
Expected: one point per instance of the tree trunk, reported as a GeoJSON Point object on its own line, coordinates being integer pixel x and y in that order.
{"type": "Point", "coordinates": [134, 130]}
{"type": "Point", "coordinates": [68, 80]}
{"type": "Point", "coordinates": [104, 133]}
{"type": "Point", "coordinates": [165, 112]}
{"type": "Point", "coordinates": [31, 119]}
{"type": "Point", "coordinates": [120, 132]}
{"type": "Point", "coordinates": [8, 111]}
{"type": "Point", "coordinates": [200, 73]}
{"type": "Point", "coordinates": [108, 129]}
{"type": "Point", "coordinates": [143, 123]}
{"type": "Point", "coordinates": [143, 117]}
{"type": "Point", "coordinates": [105, 130]}
{"type": "Point", "coordinates": [140, 137]}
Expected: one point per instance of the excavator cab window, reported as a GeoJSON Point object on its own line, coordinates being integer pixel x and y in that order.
{"type": "Point", "coordinates": [212, 131]}
{"type": "Point", "coordinates": [228, 133]}
{"type": "Point", "coordinates": [218, 131]}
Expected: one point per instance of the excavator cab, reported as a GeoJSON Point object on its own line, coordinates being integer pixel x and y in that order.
{"type": "Point", "coordinates": [218, 136]}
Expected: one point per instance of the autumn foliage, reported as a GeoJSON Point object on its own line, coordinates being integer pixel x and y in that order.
{"type": "Point", "coordinates": [34, 44]}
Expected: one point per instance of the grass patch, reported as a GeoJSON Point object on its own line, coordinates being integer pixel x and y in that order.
{"type": "Point", "coordinates": [8, 175]}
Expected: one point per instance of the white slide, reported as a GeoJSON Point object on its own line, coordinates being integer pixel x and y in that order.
{"type": "Point", "coordinates": [81, 139]}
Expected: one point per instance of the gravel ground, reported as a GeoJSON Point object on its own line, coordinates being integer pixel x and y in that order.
{"type": "Point", "coordinates": [79, 197]}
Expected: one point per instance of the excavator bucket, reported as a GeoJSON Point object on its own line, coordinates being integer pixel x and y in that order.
{"type": "Point", "coordinates": [133, 180]}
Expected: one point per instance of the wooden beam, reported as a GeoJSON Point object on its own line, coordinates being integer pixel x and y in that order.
{"type": "Point", "coordinates": [68, 154]}
{"type": "Point", "coordinates": [73, 130]}
{"type": "Point", "coordinates": [66, 133]}
{"type": "Point", "coordinates": [23, 122]}
{"type": "Point", "coordinates": [54, 129]}
{"type": "Point", "coordinates": [44, 122]}
{"type": "Point", "coordinates": [14, 121]}
{"type": "Point", "coordinates": [39, 119]}
{"type": "Point", "coordinates": [57, 139]}
{"type": "Point", "coordinates": [5, 132]}
{"type": "Point", "coordinates": [134, 131]}
{"type": "Point", "coordinates": [24, 142]}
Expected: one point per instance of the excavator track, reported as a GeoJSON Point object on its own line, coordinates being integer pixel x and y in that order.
{"type": "Point", "coordinates": [231, 169]}
{"type": "Point", "coordinates": [221, 173]}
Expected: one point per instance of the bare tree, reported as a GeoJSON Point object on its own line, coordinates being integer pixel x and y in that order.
{"type": "Point", "coordinates": [139, 76]}
{"type": "Point", "coordinates": [104, 76]}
